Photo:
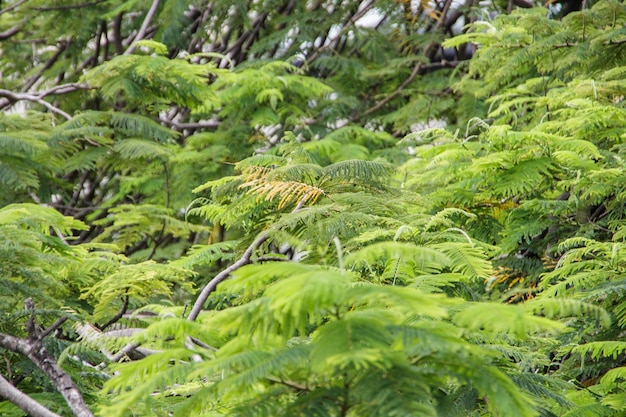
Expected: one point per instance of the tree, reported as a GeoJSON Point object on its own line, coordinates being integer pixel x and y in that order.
{"type": "Point", "coordinates": [277, 156]}
{"type": "Point", "coordinates": [545, 172]}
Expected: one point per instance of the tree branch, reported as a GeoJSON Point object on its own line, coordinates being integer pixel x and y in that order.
{"type": "Point", "coordinates": [200, 343]}
{"type": "Point", "coordinates": [64, 89]}
{"type": "Point", "coordinates": [209, 124]}
{"type": "Point", "coordinates": [117, 34]}
{"type": "Point", "coordinates": [62, 47]}
{"type": "Point", "coordinates": [244, 260]}
{"type": "Point", "coordinates": [36, 99]}
{"type": "Point", "coordinates": [117, 316]}
{"type": "Point", "coordinates": [121, 353]}
{"type": "Point", "coordinates": [34, 350]}
{"type": "Point", "coordinates": [416, 70]}
{"type": "Point", "coordinates": [11, 7]}
{"type": "Point", "coordinates": [10, 32]}
{"type": "Point", "coordinates": [290, 384]}
{"type": "Point", "coordinates": [144, 26]}
{"type": "Point", "coordinates": [69, 6]}
{"type": "Point", "coordinates": [23, 401]}
{"type": "Point", "coordinates": [54, 326]}
{"type": "Point", "coordinates": [212, 285]}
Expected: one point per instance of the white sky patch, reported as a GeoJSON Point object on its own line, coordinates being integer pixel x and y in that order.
{"type": "Point", "coordinates": [370, 20]}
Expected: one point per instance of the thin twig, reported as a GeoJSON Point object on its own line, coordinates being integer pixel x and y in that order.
{"type": "Point", "coordinates": [11, 7]}
{"type": "Point", "coordinates": [64, 89]}
{"type": "Point", "coordinates": [118, 315]}
{"type": "Point", "coordinates": [54, 326]}
{"type": "Point", "coordinates": [289, 384]}
{"type": "Point", "coordinates": [201, 344]}
{"type": "Point", "coordinates": [416, 70]}
{"type": "Point", "coordinates": [270, 259]}
{"type": "Point", "coordinates": [49, 63]}
{"type": "Point", "coordinates": [69, 6]}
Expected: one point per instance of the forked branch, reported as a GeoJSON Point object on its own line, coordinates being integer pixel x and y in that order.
{"type": "Point", "coordinates": [33, 348]}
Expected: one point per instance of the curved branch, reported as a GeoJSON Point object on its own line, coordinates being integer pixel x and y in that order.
{"type": "Point", "coordinates": [244, 260]}
{"type": "Point", "coordinates": [117, 316]}
{"type": "Point", "coordinates": [9, 32]}
{"type": "Point", "coordinates": [38, 97]}
{"type": "Point", "coordinates": [64, 89]}
{"type": "Point", "coordinates": [212, 285]}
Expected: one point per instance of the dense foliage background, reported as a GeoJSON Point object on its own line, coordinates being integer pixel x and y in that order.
{"type": "Point", "coordinates": [315, 208]}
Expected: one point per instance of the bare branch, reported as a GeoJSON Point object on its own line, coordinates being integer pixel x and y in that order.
{"type": "Point", "coordinates": [122, 353]}
{"type": "Point", "coordinates": [209, 124]}
{"type": "Point", "coordinates": [289, 384]}
{"type": "Point", "coordinates": [416, 70]}
{"type": "Point", "coordinates": [117, 34]}
{"type": "Point", "coordinates": [244, 260]}
{"type": "Point", "coordinates": [11, 7]}
{"type": "Point", "coordinates": [23, 401]}
{"type": "Point", "coordinates": [270, 259]}
{"type": "Point", "coordinates": [9, 32]}
{"type": "Point", "coordinates": [92, 334]}
{"type": "Point", "coordinates": [144, 26]}
{"type": "Point", "coordinates": [64, 89]}
{"type": "Point", "coordinates": [117, 316]}
{"type": "Point", "coordinates": [62, 47]}
{"type": "Point", "coordinates": [36, 99]}
{"type": "Point", "coordinates": [212, 285]}
{"type": "Point", "coordinates": [201, 343]}
{"type": "Point", "coordinates": [34, 350]}
{"type": "Point", "coordinates": [13, 343]}
{"type": "Point", "coordinates": [69, 6]}
{"type": "Point", "coordinates": [54, 326]}
{"type": "Point", "coordinates": [31, 327]}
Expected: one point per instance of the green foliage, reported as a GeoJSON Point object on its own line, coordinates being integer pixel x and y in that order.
{"type": "Point", "coordinates": [316, 333]}
{"type": "Point", "coordinates": [374, 229]}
